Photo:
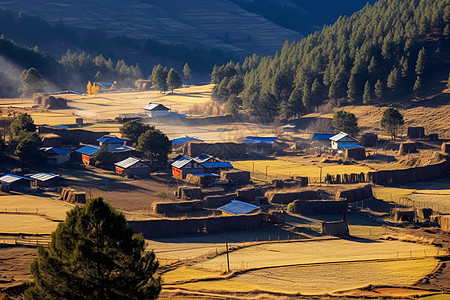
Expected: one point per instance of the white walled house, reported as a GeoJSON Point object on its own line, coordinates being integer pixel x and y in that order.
{"type": "Point", "coordinates": [342, 139]}
{"type": "Point", "coordinates": [156, 110]}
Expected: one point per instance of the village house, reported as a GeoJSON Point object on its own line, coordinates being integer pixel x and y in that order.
{"type": "Point", "coordinates": [216, 167]}
{"type": "Point", "coordinates": [111, 142]}
{"type": "Point", "coordinates": [46, 180]}
{"type": "Point", "coordinates": [185, 165]}
{"type": "Point", "coordinates": [132, 166]}
{"type": "Point", "coordinates": [56, 155]}
{"type": "Point", "coordinates": [11, 182]}
{"type": "Point", "coordinates": [321, 139]}
{"type": "Point", "coordinates": [156, 110]}
{"type": "Point", "coordinates": [236, 207]}
{"type": "Point", "coordinates": [87, 152]}
{"type": "Point", "coordinates": [201, 164]}
{"type": "Point", "coordinates": [341, 139]}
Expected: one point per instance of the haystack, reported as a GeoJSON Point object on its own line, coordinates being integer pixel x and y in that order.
{"type": "Point", "coordinates": [404, 215]}
{"type": "Point", "coordinates": [246, 195]}
{"type": "Point", "coordinates": [406, 148]}
{"type": "Point", "coordinates": [356, 194]}
{"type": "Point", "coordinates": [369, 139]}
{"type": "Point", "coordinates": [424, 213]}
{"type": "Point", "coordinates": [236, 177]}
{"type": "Point", "coordinates": [445, 148]}
{"type": "Point", "coordinates": [288, 197]}
{"type": "Point", "coordinates": [416, 132]}
{"type": "Point", "coordinates": [339, 228]}
{"type": "Point", "coordinates": [355, 153]}
{"type": "Point", "coordinates": [189, 193]}
{"type": "Point", "coordinates": [319, 207]}
{"type": "Point", "coordinates": [218, 200]}
{"type": "Point", "coordinates": [177, 207]}
{"type": "Point", "coordinates": [49, 102]}
{"type": "Point", "coordinates": [143, 85]}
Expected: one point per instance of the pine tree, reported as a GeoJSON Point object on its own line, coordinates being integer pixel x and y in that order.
{"type": "Point", "coordinates": [391, 121]}
{"type": "Point", "coordinates": [418, 87]}
{"type": "Point", "coordinates": [187, 72]}
{"type": "Point", "coordinates": [367, 97]}
{"type": "Point", "coordinates": [94, 255]}
{"type": "Point", "coordinates": [379, 90]}
{"type": "Point", "coordinates": [351, 92]}
{"type": "Point", "coordinates": [392, 80]}
{"type": "Point", "coordinates": [159, 78]}
{"type": "Point", "coordinates": [307, 99]}
{"type": "Point", "coordinates": [421, 60]}
{"type": "Point", "coordinates": [345, 122]}
{"type": "Point", "coordinates": [32, 82]}
{"type": "Point", "coordinates": [173, 80]}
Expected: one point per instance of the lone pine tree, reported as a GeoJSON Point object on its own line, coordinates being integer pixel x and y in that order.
{"type": "Point", "coordinates": [93, 255]}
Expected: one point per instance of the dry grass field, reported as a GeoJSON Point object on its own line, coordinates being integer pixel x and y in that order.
{"type": "Point", "coordinates": [298, 267]}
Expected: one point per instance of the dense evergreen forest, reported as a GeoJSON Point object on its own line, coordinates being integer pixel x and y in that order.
{"type": "Point", "coordinates": [378, 53]}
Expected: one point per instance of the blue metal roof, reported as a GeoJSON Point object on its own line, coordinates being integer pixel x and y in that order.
{"type": "Point", "coordinates": [259, 140]}
{"type": "Point", "coordinates": [177, 116]}
{"type": "Point", "coordinates": [219, 164]}
{"type": "Point", "coordinates": [202, 157]}
{"type": "Point", "coordinates": [184, 140]}
{"type": "Point", "coordinates": [57, 151]}
{"type": "Point", "coordinates": [321, 137]}
{"type": "Point", "coordinates": [350, 146]}
{"type": "Point", "coordinates": [205, 174]}
{"type": "Point", "coordinates": [61, 127]}
{"type": "Point", "coordinates": [110, 139]}
{"type": "Point", "coordinates": [238, 207]}
{"type": "Point", "coordinates": [88, 150]}
{"type": "Point", "coordinates": [122, 149]}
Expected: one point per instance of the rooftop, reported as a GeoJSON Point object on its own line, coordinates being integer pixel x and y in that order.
{"type": "Point", "coordinates": [219, 164]}
{"type": "Point", "coordinates": [185, 139]}
{"type": "Point", "coordinates": [88, 150]}
{"type": "Point", "coordinates": [321, 137]}
{"type": "Point", "coordinates": [238, 207]}
{"type": "Point", "coordinates": [126, 163]}
{"type": "Point", "coordinates": [44, 176]}
{"type": "Point", "coordinates": [181, 162]}
{"type": "Point", "coordinates": [155, 106]}
{"type": "Point", "coordinates": [110, 139]}
{"type": "Point", "coordinates": [10, 178]}
{"type": "Point", "coordinates": [352, 146]}
{"type": "Point", "coordinates": [341, 135]}
{"type": "Point", "coordinates": [57, 151]}
{"type": "Point", "coordinates": [259, 140]}
{"type": "Point", "coordinates": [202, 157]}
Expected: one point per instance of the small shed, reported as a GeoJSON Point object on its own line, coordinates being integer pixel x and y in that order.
{"type": "Point", "coordinates": [11, 182]}
{"type": "Point", "coordinates": [356, 152]}
{"type": "Point", "coordinates": [341, 139]}
{"type": "Point", "coordinates": [132, 166]}
{"type": "Point", "coordinates": [46, 179]}
{"type": "Point", "coordinates": [56, 155]}
{"type": "Point", "coordinates": [416, 132]}
{"type": "Point", "coordinates": [184, 166]}
{"type": "Point", "coordinates": [322, 139]}
{"type": "Point", "coordinates": [263, 145]}
{"type": "Point", "coordinates": [236, 207]}
{"type": "Point", "coordinates": [156, 110]}
{"type": "Point", "coordinates": [217, 167]}
{"type": "Point", "coordinates": [87, 152]}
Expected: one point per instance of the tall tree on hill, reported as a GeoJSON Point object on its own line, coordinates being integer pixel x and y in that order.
{"type": "Point", "coordinates": [351, 92]}
{"type": "Point", "coordinates": [421, 62]}
{"type": "Point", "coordinates": [418, 87]}
{"type": "Point", "coordinates": [393, 80]}
{"type": "Point", "coordinates": [159, 78]}
{"type": "Point", "coordinates": [154, 144]}
{"type": "Point", "coordinates": [345, 122]}
{"type": "Point", "coordinates": [94, 255]}
{"type": "Point", "coordinates": [367, 97]}
{"type": "Point", "coordinates": [379, 90]}
{"type": "Point", "coordinates": [391, 121]}
{"type": "Point", "coordinates": [32, 82]}
{"type": "Point", "coordinates": [187, 72]}
{"type": "Point", "coordinates": [173, 80]}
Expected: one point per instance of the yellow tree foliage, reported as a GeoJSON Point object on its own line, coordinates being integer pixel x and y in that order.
{"type": "Point", "coordinates": [95, 89]}
{"type": "Point", "coordinates": [89, 88]}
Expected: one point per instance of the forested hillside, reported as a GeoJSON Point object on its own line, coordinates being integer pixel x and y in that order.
{"type": "Point", "coordinates": [379, 53]}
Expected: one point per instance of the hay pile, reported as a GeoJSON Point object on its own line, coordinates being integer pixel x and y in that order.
{"type": "Point", "coordinates": [189, 193]}
{"type": "Point", "coordinates": [319, 207]}
{"type": "Point", "coordinates": [355, 153]}
{"type": "Point", "coordinates": [218, 200]}
{"type": "Point", "coordinates": [143, 85]}
{"type": "Point", "coordinates": [416, 132]}
{"type": "Point", "coordinates": [369, 139]}
{"type": "Point", "coordinates": [339, 228]}
{"type": "Point", "coordinates": [443, 221]}
{"type": "Point", "coordinates": [288, 197]}
{"type": "Point", "coordinates": [406, 148]}
{"type": "Point", "coordinates": [424, 213]}
{"type": "Point", "coordinates": [236, 177]}
{"type": "Point", "coordinates": [445, 148]}
{"type": "Point", "coordinates": [72, 196]}
{"type": "Point", "coordinates": [49, 102]}
{"type": "Point", "coordinates": [356, 194]}
{"type": "Point", "coordinates": [246, 195]}
{"type": "Point", "coordinates": [203, 181]}
{"type": "Point", "coordinates": [404, 215]}
{"type": "Point", "coordinates": [177, 207]}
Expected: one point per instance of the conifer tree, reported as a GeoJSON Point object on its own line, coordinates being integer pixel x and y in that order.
{"type": "Point", "coordinates": [367, 97]}
{"type": "Point", "coordinates": [351, 92]}
{"type": "Point", "coordinates": [187, 71]}
{"type": "Point", "coordinates": [418, 87]}
{"type": "Point", "coordinates": [32, 82]}
{"type": "Point", "coordinates": [391, 121]}
{"type": "Point", "coordinates": [420, 65]}
{"type": "Point", "coordinates": [392, 80]}
{"type": "Point", "coordinates": [173, 80]}
{"type": "Point", "coordinates": [94, 255]}
{"type": "Point", "coordinates": [379, 90]}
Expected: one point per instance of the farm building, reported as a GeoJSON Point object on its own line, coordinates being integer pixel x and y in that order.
{"type": "Point", "coordinates": [11, 182]}
{"type": "Point", "coordinates": [184, 166]}
{"type": "Point", "coordinates": [46, 179]}
{"type": "Point", "coordinates": [87, 152]}
{"type": "Point", "coordinates": [132, 166]}
{"type": "Point", "coordinates": [236, 207]}
{"type": "Point", "coordinates": [341, 139]}
{"type": "Point", "coordinates": [217, 167]}
{"type": "Point", "coordinates": [204, 158]}
{"type": "Point", "coordinates": [289, 128]}
{"type": "Point", "coordinates": [156, 110]}
{"type": "Point", "coordinates": [56, 155]}
{"type": "Point", "coordinates": [263, 145]}
{"type": "Point", "coordinates": [110, 142]}
{"type": "Point", "coordinates": [354, 151]}
{"type": "Point", "coordinates": [322, 139]}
